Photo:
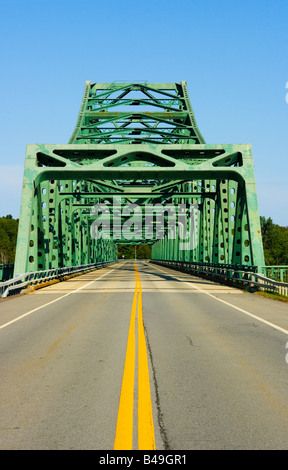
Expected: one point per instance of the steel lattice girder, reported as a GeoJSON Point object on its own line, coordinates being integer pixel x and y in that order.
{"type": "Point", "coordinates": [62, 183]}
{"type": "Point", "coordinates": [164, 114]}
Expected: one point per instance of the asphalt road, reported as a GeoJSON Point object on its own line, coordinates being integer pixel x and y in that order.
{"type": "Point", "coordinates": [75, 372]}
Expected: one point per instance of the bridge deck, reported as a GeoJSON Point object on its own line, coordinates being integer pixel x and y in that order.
{"type": "Point", "coordinates": [218, 378]}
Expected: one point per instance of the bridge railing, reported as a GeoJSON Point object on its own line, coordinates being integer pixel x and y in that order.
{"type": "Point", "coordinates": [238, 276]}
{"type": "Point", "coordinates": [278, 273]}
{"type": "Point", "coordinates": [22, 281]}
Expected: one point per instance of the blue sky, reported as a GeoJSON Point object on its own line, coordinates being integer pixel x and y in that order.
{"type": "Point", "coordinates": [233, 55]}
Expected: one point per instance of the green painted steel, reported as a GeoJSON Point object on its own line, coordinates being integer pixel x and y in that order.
{"type": "Point", "coordinates": [6, 271]}
{"type": "Point", "coordinates": [137, 154]}
{"type": "Point", "coordinates": [278, 273]}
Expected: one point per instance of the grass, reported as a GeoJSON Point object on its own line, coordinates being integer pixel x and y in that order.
{"type": "Point", "coordinates": [272, 295]}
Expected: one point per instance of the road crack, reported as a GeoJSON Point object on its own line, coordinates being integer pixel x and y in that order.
{"type": "Point", "coordinates": [160, 419]}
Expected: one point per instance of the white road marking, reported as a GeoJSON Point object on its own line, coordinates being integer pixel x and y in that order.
{"type": "Point", "coordinates": [128, 289]}
{"type": "Point", "coordinates": [56, 300]}
{"type": "Point", "coordinates": [228, 303]}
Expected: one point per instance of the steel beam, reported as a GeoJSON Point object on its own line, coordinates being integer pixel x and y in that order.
{"type": "Point", "coordinates": [154, 154]}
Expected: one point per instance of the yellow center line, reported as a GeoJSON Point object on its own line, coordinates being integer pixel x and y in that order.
{"type": "Point", "coordinates": [124, 428]}
{"type": "Point", "coordinates": [146, 438]}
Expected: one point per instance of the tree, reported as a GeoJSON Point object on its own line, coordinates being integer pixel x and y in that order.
{"type": "Point", "coordinates": [275, 242]}
{"type": "Point", "coordinates": [144, 252]}
{"type": "Point", "coordinates": [128, 251]}
{"type": "Point", "coordinates": [8, 239]}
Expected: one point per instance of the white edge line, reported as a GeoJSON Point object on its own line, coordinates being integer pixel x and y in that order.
{"type": "Point", "coordinates": [56, 300]}
{"type": "Point", "coordinates": [230, 305]}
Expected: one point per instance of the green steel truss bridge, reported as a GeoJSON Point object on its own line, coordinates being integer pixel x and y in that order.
{"type": "Point", "coordinates": [138, 171]}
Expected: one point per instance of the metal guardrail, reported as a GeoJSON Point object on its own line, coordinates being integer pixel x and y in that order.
{"type": "Point", "coordinates": [278, 273]}
{"type": "Point", "coordinates": [38, 277]}
{"type": "Point", "coordinates": [240, 276]}
{"type": "Point", "coordinates": [229, 274]}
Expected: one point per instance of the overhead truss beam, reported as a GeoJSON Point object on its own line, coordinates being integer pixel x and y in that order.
{"type": "Point", "coordinates": [127, 163]}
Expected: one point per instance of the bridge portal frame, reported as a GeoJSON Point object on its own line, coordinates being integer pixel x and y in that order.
{"type": "Point", "coordinates": [54, 231]}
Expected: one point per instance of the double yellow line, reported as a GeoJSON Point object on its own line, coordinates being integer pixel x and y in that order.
{"type": "Point", "coordinates": [124, 428]}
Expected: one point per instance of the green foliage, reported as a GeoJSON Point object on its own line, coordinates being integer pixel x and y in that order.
{"type": "Point", "coordinates": [128, 251]}
{"type": "Point", "coordinates": [8, 239]}
{"type": "Point", "coordinates": [275, 242]}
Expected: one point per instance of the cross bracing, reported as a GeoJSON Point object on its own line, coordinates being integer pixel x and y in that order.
{"type": "Point", "coordinates": [138, 177]}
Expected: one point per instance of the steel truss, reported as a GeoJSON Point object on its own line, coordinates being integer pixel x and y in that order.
{"type": "Point", "coordinates": [142, 176]}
